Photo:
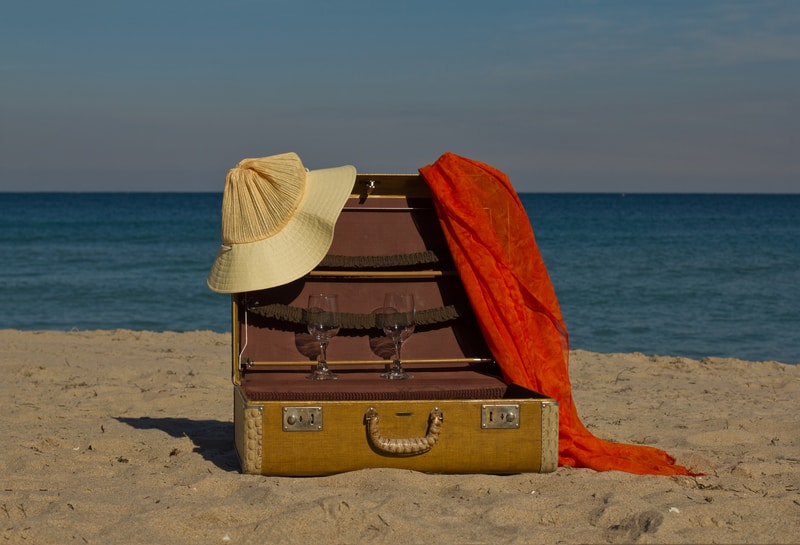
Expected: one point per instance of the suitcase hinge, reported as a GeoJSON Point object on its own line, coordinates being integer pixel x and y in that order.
{"type": "Point", "coordinates": [369, 187]}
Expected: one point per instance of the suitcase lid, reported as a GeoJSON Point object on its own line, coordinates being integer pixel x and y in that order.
{"type": "Point", "coordinates": [387, 238]}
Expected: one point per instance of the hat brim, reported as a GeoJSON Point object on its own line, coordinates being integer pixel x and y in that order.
{"type": "Point", "coordinates": [297, 248]}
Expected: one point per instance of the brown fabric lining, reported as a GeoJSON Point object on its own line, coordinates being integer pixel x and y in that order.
{"type": "Point", "coordinates": [297, 315]}
{"type": "Point", "coordinates": [428, 257]}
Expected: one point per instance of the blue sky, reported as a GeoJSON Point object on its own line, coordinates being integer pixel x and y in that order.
{"type": "Point", "coordinates": [622, 96]}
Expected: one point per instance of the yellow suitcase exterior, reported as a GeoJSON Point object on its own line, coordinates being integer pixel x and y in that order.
{"type": "Point", "coordinates": [455, 415]}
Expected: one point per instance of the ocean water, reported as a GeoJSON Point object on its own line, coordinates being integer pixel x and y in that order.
{"type": "Point", "coordinates": [668, 274]}
{"type": "Point", "coordinates": [109, 261]}
{"type": "Point", "coordinates": [690, 275]}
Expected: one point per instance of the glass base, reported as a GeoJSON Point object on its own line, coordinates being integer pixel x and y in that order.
{"type": "Point", "coordinates": [322, 374]}
{"type": "Point", "coordinates": [396, 376]}
{"type": "Point", "coordinates": [396, 372]}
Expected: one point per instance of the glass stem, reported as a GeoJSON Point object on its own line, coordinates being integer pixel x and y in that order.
{"type": "Point", "coordinates": [397, 345]}
{"type": "Point", "coordinates": [322, 363]}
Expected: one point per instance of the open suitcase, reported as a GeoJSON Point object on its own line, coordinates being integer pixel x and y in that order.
{"type": "Point", "coordinates": [455, 415]}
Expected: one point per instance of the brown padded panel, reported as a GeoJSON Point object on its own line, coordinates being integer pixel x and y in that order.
{"type": "Point", "coordinates": [366, 384]}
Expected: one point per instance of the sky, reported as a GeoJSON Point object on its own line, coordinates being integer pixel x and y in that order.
{"type": "Point", "coordinates": [561, 95]}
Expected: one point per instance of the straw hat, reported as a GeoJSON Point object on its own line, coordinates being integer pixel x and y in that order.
{"type": "Point", "coordinates": [277, 221]}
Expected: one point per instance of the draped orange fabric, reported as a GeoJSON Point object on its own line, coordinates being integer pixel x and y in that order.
{"type": "Point", "coordinates": [495, 252]}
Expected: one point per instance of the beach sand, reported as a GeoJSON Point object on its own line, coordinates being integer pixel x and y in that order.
{"type": "Point", "coordinates": [126, 437]}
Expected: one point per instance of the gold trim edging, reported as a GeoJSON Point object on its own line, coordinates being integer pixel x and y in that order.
{"type": "Point", "coordinates": [549, 436]}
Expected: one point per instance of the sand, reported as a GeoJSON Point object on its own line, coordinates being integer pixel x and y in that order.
{"type": "Point", "coordinates": [126, 437]}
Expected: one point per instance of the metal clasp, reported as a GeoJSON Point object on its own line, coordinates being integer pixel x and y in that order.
{"type": "Point", "coordinates": [302, 419]}
{"type": "Point", "coordinates": [502, 417]}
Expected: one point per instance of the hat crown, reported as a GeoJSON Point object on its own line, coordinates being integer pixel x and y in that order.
{"type": "Point", "coordinates": [261, 195]}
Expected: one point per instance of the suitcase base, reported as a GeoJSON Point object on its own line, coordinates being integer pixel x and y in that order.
{"type": "Point", "coordinates": [455, 432]}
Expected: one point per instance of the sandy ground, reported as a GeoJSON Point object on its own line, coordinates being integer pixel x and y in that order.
{"type": "Point", "coordinates": [126, 437]}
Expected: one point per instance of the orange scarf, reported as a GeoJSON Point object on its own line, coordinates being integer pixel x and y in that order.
{"type": "Point", "coordinates": [495, 252]}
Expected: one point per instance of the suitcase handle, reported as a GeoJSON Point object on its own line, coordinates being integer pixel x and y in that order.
{"type": "Point", "coordinates": [405, 446]}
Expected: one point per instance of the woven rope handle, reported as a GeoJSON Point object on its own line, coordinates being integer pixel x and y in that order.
{"type": "Point", "coordinates": [406, 446]}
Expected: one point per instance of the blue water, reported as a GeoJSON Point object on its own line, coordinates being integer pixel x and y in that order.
{"type": "Point", "coordinates": [109, 261]}
{"type": "Point", "coordinates": [681, 275]}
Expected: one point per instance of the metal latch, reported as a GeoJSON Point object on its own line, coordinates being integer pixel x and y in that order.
{"type": "Point", "coordinates": [369, 187]}
{"type": "Point", "coordinates": [500, 417]}
{"type": "Point", "coordinates": [302, 419]}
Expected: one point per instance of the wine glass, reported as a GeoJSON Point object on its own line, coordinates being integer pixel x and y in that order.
{"type": "Point", "coordinates": [396, 318]}
{"type": "Point", "coordinates": [322, 319]}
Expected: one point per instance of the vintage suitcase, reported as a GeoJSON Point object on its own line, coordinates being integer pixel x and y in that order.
{"type": "Point", "coordinates": [455, 415]}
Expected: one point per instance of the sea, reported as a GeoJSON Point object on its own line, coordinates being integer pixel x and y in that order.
{"type": "Point", "coordinates": [684, 275]}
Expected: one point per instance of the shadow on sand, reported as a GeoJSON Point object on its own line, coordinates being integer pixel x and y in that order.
{"type": "Point", "coordinates": [212, 439]}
